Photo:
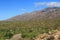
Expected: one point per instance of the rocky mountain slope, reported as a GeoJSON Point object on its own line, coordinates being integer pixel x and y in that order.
{"type": "Point", "coordinates": [50, 12]}
{"type": "Point", "coordinates": [34, 29]}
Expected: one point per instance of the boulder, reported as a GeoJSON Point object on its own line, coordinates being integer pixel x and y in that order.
{"type": "Point", "coordinates": [16, 37]}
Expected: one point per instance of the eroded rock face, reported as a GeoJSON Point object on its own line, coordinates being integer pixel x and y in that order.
{"type": "Point", "coordinates": [16, 37]}
{"type": "Point", "coordinates": [49, 36]}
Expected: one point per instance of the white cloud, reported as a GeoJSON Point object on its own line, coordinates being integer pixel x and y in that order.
{"type": "Point", "coordinates": [49, 4]}
{"type": "Point", "coordinates": [39, 4]}
{"type": "Point", "coordinates": [53, 4]}
{"type": "Point", "coordinates": [23, 9]}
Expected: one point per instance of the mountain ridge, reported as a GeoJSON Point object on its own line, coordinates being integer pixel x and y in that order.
{"type": "Point", "coordinates": [50, 12]}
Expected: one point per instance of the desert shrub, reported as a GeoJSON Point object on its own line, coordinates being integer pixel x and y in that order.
{"type": "Point", "coordinates": [28, 29]}
{"type": "Point", "coordinates": [8, 34]}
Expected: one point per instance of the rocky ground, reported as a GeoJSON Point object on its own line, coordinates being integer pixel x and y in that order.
{"type": "Point", "coordinates": [54, 35]}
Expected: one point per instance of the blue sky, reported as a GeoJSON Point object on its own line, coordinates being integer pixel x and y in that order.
{"type": "Point", "coordinates": [10, 8]}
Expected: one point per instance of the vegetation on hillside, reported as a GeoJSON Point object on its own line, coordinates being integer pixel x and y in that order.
{"type": "Point", "coordinates": [28, 29]}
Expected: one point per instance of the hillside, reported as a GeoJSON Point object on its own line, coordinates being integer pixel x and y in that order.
{"type": "Point", "coordinates": [50, 12]}
{"type": "Point", "coordinates": [30, 25]}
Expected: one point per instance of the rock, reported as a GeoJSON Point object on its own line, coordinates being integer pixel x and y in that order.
{"type": "Point", "coordinates": [16, 37]}
{"type": "Point", "coordinates": [50, 37]}
{"type": "Point", "coordinates": [54, 35]}
{"type": "Point", "coordinates": [41, 36]}
{"type": "Point", "coordinates": [6, 39]}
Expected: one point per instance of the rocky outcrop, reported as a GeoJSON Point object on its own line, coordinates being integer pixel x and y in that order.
{"type": "Point", "coordinates": [55, 35]}
{"type": "Point", "coordinates": [16, 37]}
